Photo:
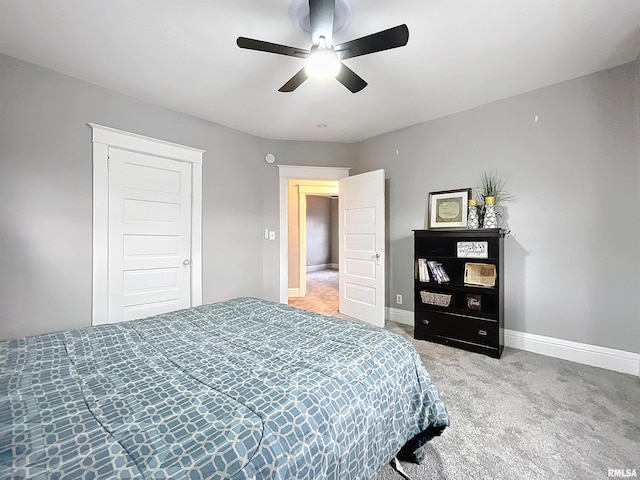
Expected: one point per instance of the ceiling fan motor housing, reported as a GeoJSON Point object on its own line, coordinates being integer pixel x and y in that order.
{"type": "Point", "coordinates": [299, 14]}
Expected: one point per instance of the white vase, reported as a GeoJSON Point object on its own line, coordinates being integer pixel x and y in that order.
{"type": "Point", "coordinates": [490, 218]}
{"type": "Point", "coordinates": [473, 220]}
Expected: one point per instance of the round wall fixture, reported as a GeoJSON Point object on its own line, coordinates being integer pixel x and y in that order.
{"type": "Point", "coordinates": [299, 14]}
{"type": "Point", "coordinates": [269, 158]}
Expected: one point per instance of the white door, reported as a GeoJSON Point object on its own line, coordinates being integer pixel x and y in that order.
{"type": "Point", "coordinates": [362, 247]}
{"type": "Point", "coordinates": [149, 235]}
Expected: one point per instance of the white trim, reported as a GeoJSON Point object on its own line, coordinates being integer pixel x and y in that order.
{"type": "Point", "coordinates": [302, 241]}
{"type": "Point", "coordinates": [100, 298]}
{"type": "Point", "coordinates": [103, 138]}
{"type": "Point", "coordinates": [303, 191]}
{"type": "Point", "coordinates": [196, 233]}
{"type": "Point", "coordinates": [593, 355]}
{"type": "Point", "coordinates": [596, 356]}
{"type": "Point", "coordinates": [313, 173]}
{"type": "Point", "coordinates": [294, 293]}
{"type": "Point", "coordinates": [397, 315]}
{"type": "Point", "coordinates": [285, 172]}
{"type": "Point", "coordinates": [323, 266]}
{"type": "Point", "coordinates": [139, 143]}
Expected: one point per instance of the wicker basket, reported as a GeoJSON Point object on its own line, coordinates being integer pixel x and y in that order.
{"type": "Point", "coordinates": [439, 299]}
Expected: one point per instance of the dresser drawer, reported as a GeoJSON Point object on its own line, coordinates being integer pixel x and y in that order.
{"type": "Point", "coordinates": [457, 327]}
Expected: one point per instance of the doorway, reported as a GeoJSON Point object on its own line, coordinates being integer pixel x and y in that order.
{"type": "Point", "coordinates": [147, 226]}
{"type": "Point", "coordinates": [361, 238]}
{"type": "Point", "coordinates": [313, 248]}
{"type": "Point", "coordinates": [309, 174]}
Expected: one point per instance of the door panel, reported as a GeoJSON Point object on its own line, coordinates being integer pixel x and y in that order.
{"type": "Point", "coordinates": [144, 211]}
{"type": "Point", "coordinates": [360, 268]}
{"type": "Point", "coordinates": [362, 247]}
{"type": "Point", "coordinates": [149, 235]}
{"type": "Point", "coordinates": [359, 242]}
{"type": "Point", "coordinates": [148, 309]}
{"type": "Point", "coordinates": [360, 293]}
{"type": "Point", "coordinates": [145, 281]}
{"type": "Point", "coordinates": [137, 176]}
{"type": "Point", "coordinates": [364, 216]}
{"type": "Point", "coordinates": [143, 246]}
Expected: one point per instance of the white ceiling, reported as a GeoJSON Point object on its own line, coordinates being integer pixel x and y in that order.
{"type": "Point", "coordinates": [182, 54]}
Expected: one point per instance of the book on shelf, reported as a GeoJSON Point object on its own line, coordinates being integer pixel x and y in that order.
{"type": "Point", "coordinates": [443, 274]}
{"type": "Point", "coordinates": [437, 272]}
{"type": "Point", "coordinates": [423, 274]}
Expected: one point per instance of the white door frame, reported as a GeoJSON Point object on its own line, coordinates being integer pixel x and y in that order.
{"type": "Point", "coordinates": [103, 138]}
{"type": "Point", "coordinates": [303, 191]}
{"type": "Point", "coordinates": [285, 173]}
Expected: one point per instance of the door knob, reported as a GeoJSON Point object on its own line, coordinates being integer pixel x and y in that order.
{"type": "Point", "coordinates": [186, 262]}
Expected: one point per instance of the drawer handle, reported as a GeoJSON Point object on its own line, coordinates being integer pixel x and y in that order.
{"type": "Point", "coordinates": [482, 332]}
{"type": "Point", "coordinates": [426, 322]}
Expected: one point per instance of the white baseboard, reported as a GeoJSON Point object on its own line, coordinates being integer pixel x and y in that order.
{"type": "Point", "coordinates": [293, 292]}
{"type": "Point", "coordinates": [399, 316]}
{"type": "Point", "coordinates": [324, 266]}
{"type": "Point", "coordinates": [594, 355]}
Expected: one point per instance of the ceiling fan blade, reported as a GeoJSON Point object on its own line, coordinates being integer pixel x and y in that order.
{"type": "Point", "coordinates": [261, 46]}
{"type": "Point", "coordinates": [321, 15]}
{"type": "Point", "coordinates": [350, 79]}
{"type": "Point", "coordinates": [294, 82]}
{"type": "Point", "coordinates": [376, 42]}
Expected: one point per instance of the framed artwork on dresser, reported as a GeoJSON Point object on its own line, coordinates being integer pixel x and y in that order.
{"type": "Point", "coordinates": [448, 209]}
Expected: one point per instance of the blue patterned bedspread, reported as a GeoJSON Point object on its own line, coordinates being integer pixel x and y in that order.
{"type": "Point", "coordinates": [242, 389]}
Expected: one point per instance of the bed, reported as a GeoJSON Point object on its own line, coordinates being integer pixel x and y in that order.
{"type": "Point", "coordinates": [240, 389]}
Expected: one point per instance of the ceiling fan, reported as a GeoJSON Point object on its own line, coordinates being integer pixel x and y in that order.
{"type": "Point", "coordinates": [325, 59]}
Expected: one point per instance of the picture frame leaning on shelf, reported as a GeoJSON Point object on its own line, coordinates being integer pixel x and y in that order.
{"type": "Point", "coordinates": [448, 209]}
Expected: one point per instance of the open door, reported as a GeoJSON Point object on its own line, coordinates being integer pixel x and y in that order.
{"type": "Point", "coordinates": [362, 247]}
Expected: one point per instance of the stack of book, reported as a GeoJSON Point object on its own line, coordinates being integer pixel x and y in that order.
{"type": "Point", "coordinates": [437, 272]}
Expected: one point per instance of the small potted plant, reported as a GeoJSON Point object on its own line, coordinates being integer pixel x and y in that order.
{"type": "Point", "coordinates": [490, 194]}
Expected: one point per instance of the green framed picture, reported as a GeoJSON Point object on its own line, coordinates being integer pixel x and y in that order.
{"type": "Point", "coordinates": [448, 209]}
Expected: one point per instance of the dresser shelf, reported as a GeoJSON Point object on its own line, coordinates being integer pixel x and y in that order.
{"type": "Point", "coordinates": [473, 318]}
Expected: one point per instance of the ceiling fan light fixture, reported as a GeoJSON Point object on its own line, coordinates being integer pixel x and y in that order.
{"type": "Point", "coordinates": [323, 62]}
{"type": "Point", "coordinates": [324, 59]}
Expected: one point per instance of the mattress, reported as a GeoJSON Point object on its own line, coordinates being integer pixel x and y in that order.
{"type": "Point", "coordinates": [241, 389]}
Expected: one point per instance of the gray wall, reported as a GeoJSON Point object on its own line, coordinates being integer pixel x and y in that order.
{"type": "Point", "coordinates": [314, 154]}
{"type": "Point", "coordinates": [46, 195]}
{"type": "Point", "coordinates": [318, 230]}
{"type": "Point", "coordinates": [571, 261]}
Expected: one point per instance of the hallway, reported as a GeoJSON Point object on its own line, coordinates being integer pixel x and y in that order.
{"type": "Point", "coordinates": [322, 293]}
